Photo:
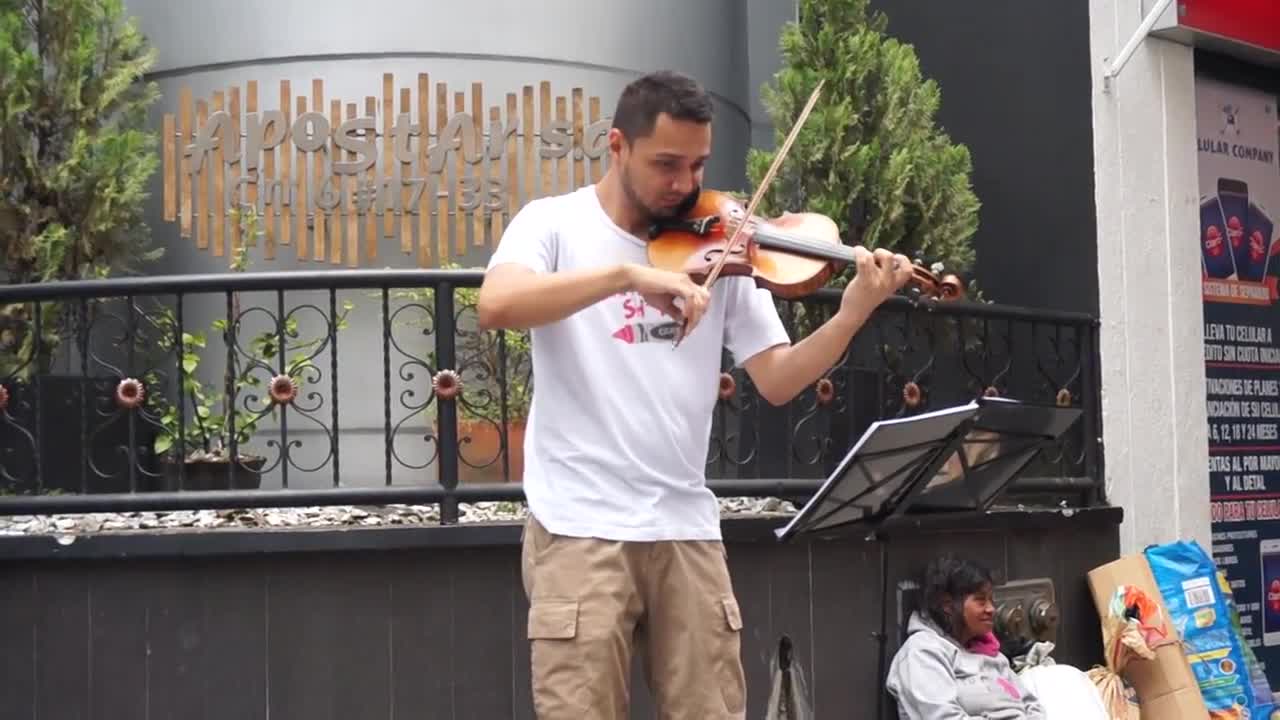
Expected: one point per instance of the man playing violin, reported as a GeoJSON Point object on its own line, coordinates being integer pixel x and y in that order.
{"type": "Point", "coordinates": [622, 552]}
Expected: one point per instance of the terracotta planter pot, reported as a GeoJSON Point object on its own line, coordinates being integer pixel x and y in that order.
{"type": "Point", "coordinates": [480, 443]}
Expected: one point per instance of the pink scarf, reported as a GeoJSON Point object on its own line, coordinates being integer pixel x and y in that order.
{"type": "Point", "coordinates": [985, 644]}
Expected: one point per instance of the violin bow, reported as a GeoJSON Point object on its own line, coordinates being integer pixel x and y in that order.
{"type": "Point", "coordinates": [759, 193]}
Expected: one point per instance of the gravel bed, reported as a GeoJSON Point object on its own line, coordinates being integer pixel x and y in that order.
{"type": "Point", "coordinates": [317, 516]}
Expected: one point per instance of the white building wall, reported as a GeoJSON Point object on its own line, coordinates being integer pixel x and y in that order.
{"type": "Point", "coordinates": [1154, 416]}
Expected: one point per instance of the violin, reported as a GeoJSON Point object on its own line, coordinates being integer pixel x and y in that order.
{"type": "Point", "coordinates": [792, 255]}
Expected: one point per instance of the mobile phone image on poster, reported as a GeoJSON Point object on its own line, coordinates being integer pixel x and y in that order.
{"type": "Point", "coordinates": [1215, 249]}
{"type": "Point", "coordinates": [1259, 236]}
{"type": "Point", "coordinates": [1269, 560]}
{"type": "Point", "coordinates": [1233, 197]}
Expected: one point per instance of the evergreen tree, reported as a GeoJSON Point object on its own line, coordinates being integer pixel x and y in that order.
{"type": "Point", "coordinates": [869, 156]}
{"type": "Point", "coordinates": [75, 153]}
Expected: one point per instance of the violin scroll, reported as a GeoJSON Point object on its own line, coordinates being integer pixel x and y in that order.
{"type": "Point", "coordinates": [926, 283]}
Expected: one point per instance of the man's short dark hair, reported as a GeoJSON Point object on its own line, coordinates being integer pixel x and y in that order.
{"type": "Point", "coordinates": [665, 91]}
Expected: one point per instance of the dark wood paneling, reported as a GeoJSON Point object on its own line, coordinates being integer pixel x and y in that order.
{"type": "Point", "coordinates": [521, 683]}
{"type": "Point", "coordinates": [751, 569]}
{"type": "Point", "coordinates": [844, 615]}
{"type": "Point", "coordinates": [236, 663]}
{"type": "Point", "coordinates": [302, 649]}
{"type": "Point", "coordinates": [362, 627]}
{"type": "Point", "coordinates": [119, 610]}
{"type": "Point", "coordinates": [18, 628]}
{"type": "Point", "coordinates": [790, 600]}
{"type": "Point", "coordinates": [1068, 558]}
{"type": "Point", "coordinates": [422, 631]}
{"type": "Point", "coordinates": [63, 642]}
{"type": "Point", "coordinates": [439, 632]}
{"type": "Point", "coordinates": [483, 631]}
{"type": "Point", "coordinates": [177, 641]}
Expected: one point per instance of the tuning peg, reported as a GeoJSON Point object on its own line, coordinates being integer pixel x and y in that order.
{"type": "Point", "coordinates": [952, 287]}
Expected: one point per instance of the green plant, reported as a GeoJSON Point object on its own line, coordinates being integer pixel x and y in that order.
{"type": "Point", "coordinates": [75, 153]}
{"type": "Point", "coordinates": [869, 156]}
{"type": "Point", "coordinates": [512, 373]}
{"type": "Point", "coordinates": [210, 430]}
{"type": "Point", "coordinates": [490, 367]}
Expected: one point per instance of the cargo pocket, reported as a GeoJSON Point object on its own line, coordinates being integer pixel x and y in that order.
{"type": "Point", "coordinates": [733, 687]}
{"type": "Point", "coordinates": [553, 619]}
{"type": "Point", "coordinates": [560, 679]}
{"type": "Point", "coordinates": [732, 615]}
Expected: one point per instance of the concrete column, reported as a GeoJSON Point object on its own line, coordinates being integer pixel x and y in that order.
{"type": "Point", "coordinates": [1154, 418]}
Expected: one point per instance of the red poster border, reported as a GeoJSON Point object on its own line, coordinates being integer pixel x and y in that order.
{"type": "Point", "coordinates": [1253, 22]}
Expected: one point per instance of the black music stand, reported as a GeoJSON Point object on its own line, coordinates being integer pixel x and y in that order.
{"type": "Point", "coordinates": [954, 459]}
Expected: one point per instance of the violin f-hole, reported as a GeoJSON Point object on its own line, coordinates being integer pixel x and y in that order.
{"type": "Point", "coordinates": [713, 254]}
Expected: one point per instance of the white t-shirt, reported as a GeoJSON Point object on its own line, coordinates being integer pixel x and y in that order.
{"type": "Point", "coordinates": [620, 423]}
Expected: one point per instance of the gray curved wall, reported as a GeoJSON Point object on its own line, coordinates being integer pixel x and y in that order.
{"type": "Point", "coordinates": [729, 45]}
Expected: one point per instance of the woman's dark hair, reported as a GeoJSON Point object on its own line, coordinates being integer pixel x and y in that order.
{"type": "Point", "coordinates": [665, 91]}
{"type": "Point", "coordinates": [953, 577]}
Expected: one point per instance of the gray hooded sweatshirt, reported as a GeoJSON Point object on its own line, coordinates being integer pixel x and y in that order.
{"type": "Point", "coordinates": [933, 678]}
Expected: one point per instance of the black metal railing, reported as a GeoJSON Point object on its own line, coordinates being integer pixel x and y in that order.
{"type": "Point", "coordinates": [368, 386]}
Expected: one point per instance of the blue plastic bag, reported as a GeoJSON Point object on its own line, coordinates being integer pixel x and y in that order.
{"type": "Point", "coordinates": [1202, 616]}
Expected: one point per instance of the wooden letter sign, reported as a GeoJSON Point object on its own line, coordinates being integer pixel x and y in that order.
{"type": "Point", "coordinates": [442, 179]}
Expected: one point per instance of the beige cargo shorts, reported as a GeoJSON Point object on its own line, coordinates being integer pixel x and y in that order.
{"type": "Point", "coordinates": [593, 603]}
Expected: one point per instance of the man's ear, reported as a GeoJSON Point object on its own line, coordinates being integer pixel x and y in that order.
{"type": "Point", "coordinates": [617, 141]}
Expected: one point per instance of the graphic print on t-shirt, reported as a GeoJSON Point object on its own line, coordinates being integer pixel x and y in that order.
{"type": "Point", "coordinates": [634, 330]}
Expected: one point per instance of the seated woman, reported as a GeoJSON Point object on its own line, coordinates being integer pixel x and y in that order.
{"type": "Point", "coordinates": [950, 667]}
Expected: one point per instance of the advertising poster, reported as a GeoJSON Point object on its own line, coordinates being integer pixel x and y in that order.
{"type": "Point", "coordinates": [1237, 143]}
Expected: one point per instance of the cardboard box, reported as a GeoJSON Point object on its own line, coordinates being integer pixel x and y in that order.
{"type": "Point", "coordinates": [1166, 686]}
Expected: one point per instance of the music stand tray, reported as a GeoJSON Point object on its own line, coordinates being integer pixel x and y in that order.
{"type": "Point", "coordinates": [957, 458]}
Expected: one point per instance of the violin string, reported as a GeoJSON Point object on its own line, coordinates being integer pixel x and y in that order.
{"type": "Point", "coordinates": [786, 241]}
{"type": "Point", "coordinates": [818, 249]}
{"type": "Point", "coordinates": [799, 243]}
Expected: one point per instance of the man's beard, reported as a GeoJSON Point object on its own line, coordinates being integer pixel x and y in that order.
{"type": "Point", "coordinates": [652, 214]}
